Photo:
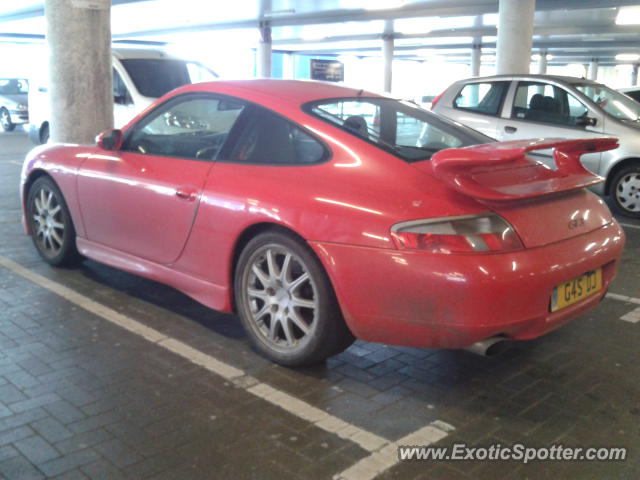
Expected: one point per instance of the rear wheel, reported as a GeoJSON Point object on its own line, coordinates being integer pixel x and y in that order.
{"type": "Point", "coordinates": [625, 191]}
{"type": "Point", "coordinates": [5, 120]}
{"type": "Point", "coordinates": [51, 226]}
{"type": "Point", "coordinates": [286, 303]}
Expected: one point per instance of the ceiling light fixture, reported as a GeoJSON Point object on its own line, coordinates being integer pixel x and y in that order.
{"type": "Point", "coordinates": [627, 57]}
{"type": "Point", "coordinates": [628, 16]}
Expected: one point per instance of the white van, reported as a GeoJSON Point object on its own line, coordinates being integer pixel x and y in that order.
{"type": "Point", "coordinates": [140, 76]}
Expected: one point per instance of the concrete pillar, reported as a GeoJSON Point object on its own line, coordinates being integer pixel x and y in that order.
{"type": "Point", "coordinates": [80, 84]}
{"type": "Point", "coordinates": [592, 72]}
{"type": "Point", "coordinates": [634, 75]}
{"type": "Point", "coordinates": [387, 61]}
{"type": "Point", "coordinates": [476, 52]}
{"type": "Point", "coordinates": [515, 36]}
{"type": "Point", "coordinates": [263, 57]}
{"type": "Point", "coordinates": [542, 63]}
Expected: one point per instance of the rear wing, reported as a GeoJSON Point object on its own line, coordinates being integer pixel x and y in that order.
{"type": "Point", "coordinates": [501, 172]}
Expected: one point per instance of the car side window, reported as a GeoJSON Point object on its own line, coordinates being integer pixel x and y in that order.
{"type": "Point", "coordinates": [482, 97]}
{"type": "Point", "coordinates": [541, 102]}
{"type": "Point", "coordinates": [121, 95]}
{"type": "Point", "coordinates": [193, 127]}
{"type": "Point", "coordinates": [270, 139]}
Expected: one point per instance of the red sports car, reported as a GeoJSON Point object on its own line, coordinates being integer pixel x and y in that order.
{"type": "Point", "coordinates": [321, 213]}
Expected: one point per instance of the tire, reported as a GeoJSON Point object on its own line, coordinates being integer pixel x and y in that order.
{"type": "Point", "coordinates": [625, 191]}
{"type": "Point", "coordinates": [5, 120]}
{"type": "Point", "coordinates": [286, 303]}
{"type": "Point", "coordinates": [50, 223]}
{"type": "Point", "coordinates": [44, 134]}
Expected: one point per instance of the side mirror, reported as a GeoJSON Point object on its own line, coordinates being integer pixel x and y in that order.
{"type": "Point", "coordinates": [110, 139]}
{"type": "Point", "coordinates": [586, 121]}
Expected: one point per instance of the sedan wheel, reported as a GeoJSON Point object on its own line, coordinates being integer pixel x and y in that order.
{"type": "Point", "coordinates": [626, 191]}
{"type": "Point", "coordinates": [51, 226]}
{"type": "Point", "coordinates": [5, 120]}
{"type": "Point", "coordinates": [286, 303]}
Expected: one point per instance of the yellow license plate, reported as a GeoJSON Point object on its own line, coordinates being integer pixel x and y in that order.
{"type": "Point", "coordinates": [576, 289]}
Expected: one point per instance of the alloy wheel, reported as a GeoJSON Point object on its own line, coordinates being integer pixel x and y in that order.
{"type": "Point", "coordinates": [628, 192]}
{"type": "Point", "coordinates": [282, 298]}
{"type": "Point", "coordinates": [49, 228]}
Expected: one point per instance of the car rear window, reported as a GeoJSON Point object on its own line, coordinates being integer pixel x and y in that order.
{"type": "Point", "coordinates": [481, 97]}
{"type": "Point", "coordinates": [397, 127]}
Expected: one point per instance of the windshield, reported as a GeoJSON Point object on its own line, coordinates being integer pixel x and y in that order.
{"type": "Point", "coordinates": [153, 77]}
{"type": "Point", "coordinates": [403, 129]}
{"type": "Point", "coordinates": [612, 102]}
{"type": "Point", "coordinates": [13, 86]}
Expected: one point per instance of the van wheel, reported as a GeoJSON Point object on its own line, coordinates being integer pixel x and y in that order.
{"type": "Point", "coordinates": [286, 303]}
{"type": "Point", "coordinates": [44, 133]}
{"type": "Point", "coordinates": [5, 120]}
{"type": "Point", "coordinates": [625, 191]}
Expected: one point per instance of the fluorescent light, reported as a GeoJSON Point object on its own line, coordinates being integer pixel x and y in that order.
{"type": "Point", "coordinates": [628, 16]}
{"type": "Point", "coordinates": [384, 4]}
{"type": "Point", "coordinates": [627, 57]}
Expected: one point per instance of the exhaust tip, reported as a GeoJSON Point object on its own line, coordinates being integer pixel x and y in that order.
{"type": "Point", "coordinates": [489, 347]}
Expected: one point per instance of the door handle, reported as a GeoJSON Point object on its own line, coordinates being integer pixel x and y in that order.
{"type": "Point", "coordinates": [510, 129]}
{"type": "Point", "coordinates": [186, 194]}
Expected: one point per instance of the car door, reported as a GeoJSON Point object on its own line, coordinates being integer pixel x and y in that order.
{"type": "Point", "coordinates": [142, 199]}
{"type": "Point", "coordinates": [540, 109]}
{"type": "Point", "coordinates": [478, 105]}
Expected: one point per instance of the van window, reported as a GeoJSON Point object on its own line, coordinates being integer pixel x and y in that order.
{"type": "Point", "coordinates": [153, 77]}
{"type": "Point", "coordinates": [482, 97]}
{"type": "Point", "coordinates": [541, 102]}
{"type": "Point", "coordinates": [121, 95]}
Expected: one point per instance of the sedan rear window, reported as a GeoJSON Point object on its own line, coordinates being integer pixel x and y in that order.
{"type": "Point", "coordinates": [400, 128]}
{"type": "Point", "coordinates": [482, 97]}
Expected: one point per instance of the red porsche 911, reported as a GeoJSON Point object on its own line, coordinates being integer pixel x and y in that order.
{"type": "Point", "coordinates": [321, 213]}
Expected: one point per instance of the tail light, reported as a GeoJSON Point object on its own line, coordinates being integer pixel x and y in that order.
{"type": "Point", "coordinates": [484, 233]}
{"type": "Point", "coordinates": [436, 100]}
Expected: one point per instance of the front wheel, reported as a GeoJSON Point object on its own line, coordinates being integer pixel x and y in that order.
{"type": "Point", "coordinates": [50, 223]}
{"type": "Point", "coordinates": [286, 302]}
{"type": "Point", "coordinates": [625, 191]}
{"type": "Point", "coordinates": [5, 120]}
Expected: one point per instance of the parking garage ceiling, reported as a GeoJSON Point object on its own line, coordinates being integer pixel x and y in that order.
{"type": "Point", "coordinates": [568, 30]}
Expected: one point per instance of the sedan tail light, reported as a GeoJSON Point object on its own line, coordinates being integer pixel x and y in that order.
{"type": "Point", "coordinates": [436, 99]}
{"type": "Point", "coordinates": [484, 233]}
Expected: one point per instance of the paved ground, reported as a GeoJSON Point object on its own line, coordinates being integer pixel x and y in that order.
{"type": "Point", "coordinates": [81, 397]}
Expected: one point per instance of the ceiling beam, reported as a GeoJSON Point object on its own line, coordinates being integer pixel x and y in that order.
{"type": "Point", "coordinates": [577, 30]}
{"type": "Point", "coordinates": [432, 8]}
{"type": "Point", "coordinates": [38, 11]}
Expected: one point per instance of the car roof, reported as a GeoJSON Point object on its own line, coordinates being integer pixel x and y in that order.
{"type": "Point", "coordinates": [276, 90]}
{"type": "Point", "coordinates": [532, 76]}
{"type": "Point", "coordinates": [124, 53]}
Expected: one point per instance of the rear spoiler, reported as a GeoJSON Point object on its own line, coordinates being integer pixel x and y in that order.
{"type": "Point", "coordinates": [501, 172]}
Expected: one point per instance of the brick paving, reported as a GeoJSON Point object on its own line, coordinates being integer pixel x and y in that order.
{"type": "Point", "coordinates": [81, 398]}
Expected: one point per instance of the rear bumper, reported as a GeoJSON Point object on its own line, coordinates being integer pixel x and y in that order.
{"type": "Point", "coordinates": [451, 301]}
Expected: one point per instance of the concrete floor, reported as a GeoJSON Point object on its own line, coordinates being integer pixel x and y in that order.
{"type": "Point", "coordinates": [81, 397]}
